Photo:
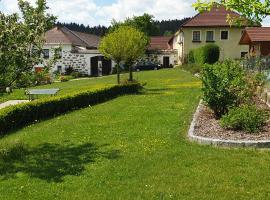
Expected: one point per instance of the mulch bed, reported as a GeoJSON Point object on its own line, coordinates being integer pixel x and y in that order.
{"type": "Point", "coordinates": [207, 126]}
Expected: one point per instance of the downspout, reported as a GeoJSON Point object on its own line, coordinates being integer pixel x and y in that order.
{"type": "Point", "coordinates": [183, 42]}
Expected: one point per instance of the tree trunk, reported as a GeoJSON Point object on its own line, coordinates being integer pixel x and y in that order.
{"type": "Point", "coordinates": [130, 74]}
{"type": "Point", "coordinates": [118, 73]}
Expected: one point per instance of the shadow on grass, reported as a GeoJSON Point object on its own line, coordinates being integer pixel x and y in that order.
{"type": "Point", "coordinates": [51, 162]}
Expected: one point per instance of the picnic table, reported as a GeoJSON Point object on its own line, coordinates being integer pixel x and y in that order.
{"type": "Point", "coordinates": [32, 93]}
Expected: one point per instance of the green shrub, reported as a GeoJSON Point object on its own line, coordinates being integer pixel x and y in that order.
{"type": "Point", "coordinates": [76, 74]}
{"type": "Point", "coordinates": [23, 114]}
{"type": "Point", "coordinates": [25, 80]}
{"type": "Point", "coordinates": [246, 117]}
{"type": "Point", "coordinates": [65, 78]}
{"type": "Point", "coordinates": [224, 86]}
{"type": "Point", "coordinates": [42, 78]}
{"type": "Point", "coordinates": [208, 54]}
{"type": "Point", "coordinates": [191, 59]}
{"type": "Point", "coordinates": [69, 71]}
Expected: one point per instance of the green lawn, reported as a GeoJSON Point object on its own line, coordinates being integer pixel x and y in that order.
{"type": "Point", "coordinates": [133, 147]}
{"type": "Point", "coordinates": [65, 87]}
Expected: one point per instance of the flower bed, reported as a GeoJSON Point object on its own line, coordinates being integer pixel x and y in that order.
{"type": "Point", "coordinates": [233, 113]}
{"type": "Point", "coordinates": [214, 129]}
{"type": "Point", "coordinates": [205, 129]}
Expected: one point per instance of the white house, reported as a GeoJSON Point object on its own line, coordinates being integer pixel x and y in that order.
{"type": "Point", "coordinates": [160, 50]}
{"type": "Point", "coordinates": [78, 51]}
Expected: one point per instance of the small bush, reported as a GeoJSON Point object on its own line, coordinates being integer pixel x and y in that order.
{"type": "Point", "coordinates": [69, 71]}
{"type": "Point", "coordinates": [224, 86]}
{"type": "Point", "coordinates": [20, 115]}
{"type": "Point", "coordinates": [65, 78]}
{"type": "Point", "coordinates": [42, 78]}
{"type": "Point", "coordinates": [208, 54]}
{"type": "Point", "coordinates": [247, 118]}
{"type": "Point", "coordinates": [191, 59]}
{"type": "Point", "coordinates": [25, 80]}
{"type": "Point", "coordinates": [76, 74]}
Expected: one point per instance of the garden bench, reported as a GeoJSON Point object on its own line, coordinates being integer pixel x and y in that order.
{"type": "Point", "coordinates": [32, 93]}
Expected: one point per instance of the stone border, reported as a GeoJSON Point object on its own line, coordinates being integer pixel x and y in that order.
{"type": "Point", "coordinates": [219, 142]}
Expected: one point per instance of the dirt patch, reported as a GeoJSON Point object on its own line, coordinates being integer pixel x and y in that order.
{"type": "Point", "coordinates": [207, 126]}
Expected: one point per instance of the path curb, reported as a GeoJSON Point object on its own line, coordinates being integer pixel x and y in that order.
{"type": "Point", "coordinates": [219, 142]}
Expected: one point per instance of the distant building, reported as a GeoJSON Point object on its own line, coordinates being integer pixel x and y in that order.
{"type": "Point", "coordinates": [79, 51]}
{"type": "Point", "coordinates": [160, 50]}
{"type": "Point", "coordinates": [210, 27]}
{"type": "Point", "coordinates": [258, 40]}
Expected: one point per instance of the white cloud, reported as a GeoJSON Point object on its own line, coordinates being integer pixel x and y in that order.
{"type": "Point", "coordinates": [170, 9]}
{"type": "Point", "coordinates": [89, 13]}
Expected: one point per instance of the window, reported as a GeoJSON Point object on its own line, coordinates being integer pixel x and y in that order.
{"type": "Point", "coordinates": [244, 54]}
{"type": "Point", "coordinates": [58, 53]}
{"type": "Point", "coordinates": [209, 36]}
{"type": "Point", "coordinates": [46, 53]}
{"type": "Point", "coordinates": [224, 35]}
{"type": "Point", "coordinates": [196, 36]}
{"type": "Point", "coordinates": [59, 69]}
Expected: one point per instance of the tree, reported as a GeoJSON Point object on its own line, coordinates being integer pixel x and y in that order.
{"type": "Point", "coordinates": [124, 45]}
{"type": "Point", "coordinates": [22, 39]}
{"type": "Point", "coordinates": [161, 27]}
{"type": "Point", "coordinates": [144, 23]}
{"type": "Point", "coordinates": [252, 10]}
{"type": "Point", "coordinates": [168, 33]}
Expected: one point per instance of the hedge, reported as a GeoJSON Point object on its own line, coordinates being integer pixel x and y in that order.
{"type": "Point", "coordinates": [208, 54]}
{"type": "Point", "coordinates": [23, 114]}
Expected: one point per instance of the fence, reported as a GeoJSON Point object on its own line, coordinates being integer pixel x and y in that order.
{"type": "Point", "coordinates": [259, 64]}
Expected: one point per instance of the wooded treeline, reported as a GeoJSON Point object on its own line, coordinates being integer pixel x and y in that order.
{"type": "Point", "coordinates": [164, 27]}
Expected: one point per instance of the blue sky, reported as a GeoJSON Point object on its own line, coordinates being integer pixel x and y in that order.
{"type": "Point", "coordinates": [104, 2]}
{"type": "Point", "coordinates": [95, 12]}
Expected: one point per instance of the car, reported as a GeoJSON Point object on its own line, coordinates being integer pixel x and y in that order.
{"type": "Point", "coordinates": [146, 66]}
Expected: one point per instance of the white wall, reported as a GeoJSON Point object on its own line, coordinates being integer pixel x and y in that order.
{"type": "Point", "coordinates": [178, 42]}
{"type": "Point", "coordinates": [80, 61]}
{"type": "Point", "coordinates": [171, 54]}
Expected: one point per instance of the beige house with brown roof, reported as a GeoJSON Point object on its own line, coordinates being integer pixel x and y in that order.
{"type": "Point", "coordinates": [79, 51]}
{"type": "Point", "coordinates": [210, 27]}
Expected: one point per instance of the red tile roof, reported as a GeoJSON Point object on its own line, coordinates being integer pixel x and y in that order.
{"type": "Point", "coordinates": [62, 35]}
{"type": "Point", "coordinates": [217, 16]}
{"type": "Point", "coordinates": [159, 43]}
{"type": "Point", "coordinates": [255, 34]}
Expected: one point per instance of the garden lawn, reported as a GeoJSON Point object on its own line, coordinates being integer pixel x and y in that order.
{"type": "Point", "coordinates": [133, 147]}
{"type": "Point", "coordinates": [65, 87]}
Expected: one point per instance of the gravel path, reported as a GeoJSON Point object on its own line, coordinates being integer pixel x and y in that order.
{"type": "Point", "coordinates": [11, 103]}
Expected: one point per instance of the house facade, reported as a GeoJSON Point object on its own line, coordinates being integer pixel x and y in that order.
{"type": "Point", "coordinates": [160, 51]}
{"type": "Point", "coordinates": [78, 51]}
{"type": "Point", "coordinates": [210, 27]}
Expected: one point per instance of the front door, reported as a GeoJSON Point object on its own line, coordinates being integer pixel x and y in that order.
{"type": "Point", "coordinates": [94, 66]}
{"type": "Point", "coordinates": [106, 66]}
{"type": "Point", "coordinates": [166, 62]}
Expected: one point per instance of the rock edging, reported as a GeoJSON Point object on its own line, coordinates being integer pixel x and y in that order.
{"type": "Point", "coordinates": [219, 142]}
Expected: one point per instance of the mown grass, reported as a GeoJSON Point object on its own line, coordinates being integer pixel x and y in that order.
{"type": "Point", "coordinates": [65, 87]}
{"type": "Point", "coordinates": [133, 147]}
